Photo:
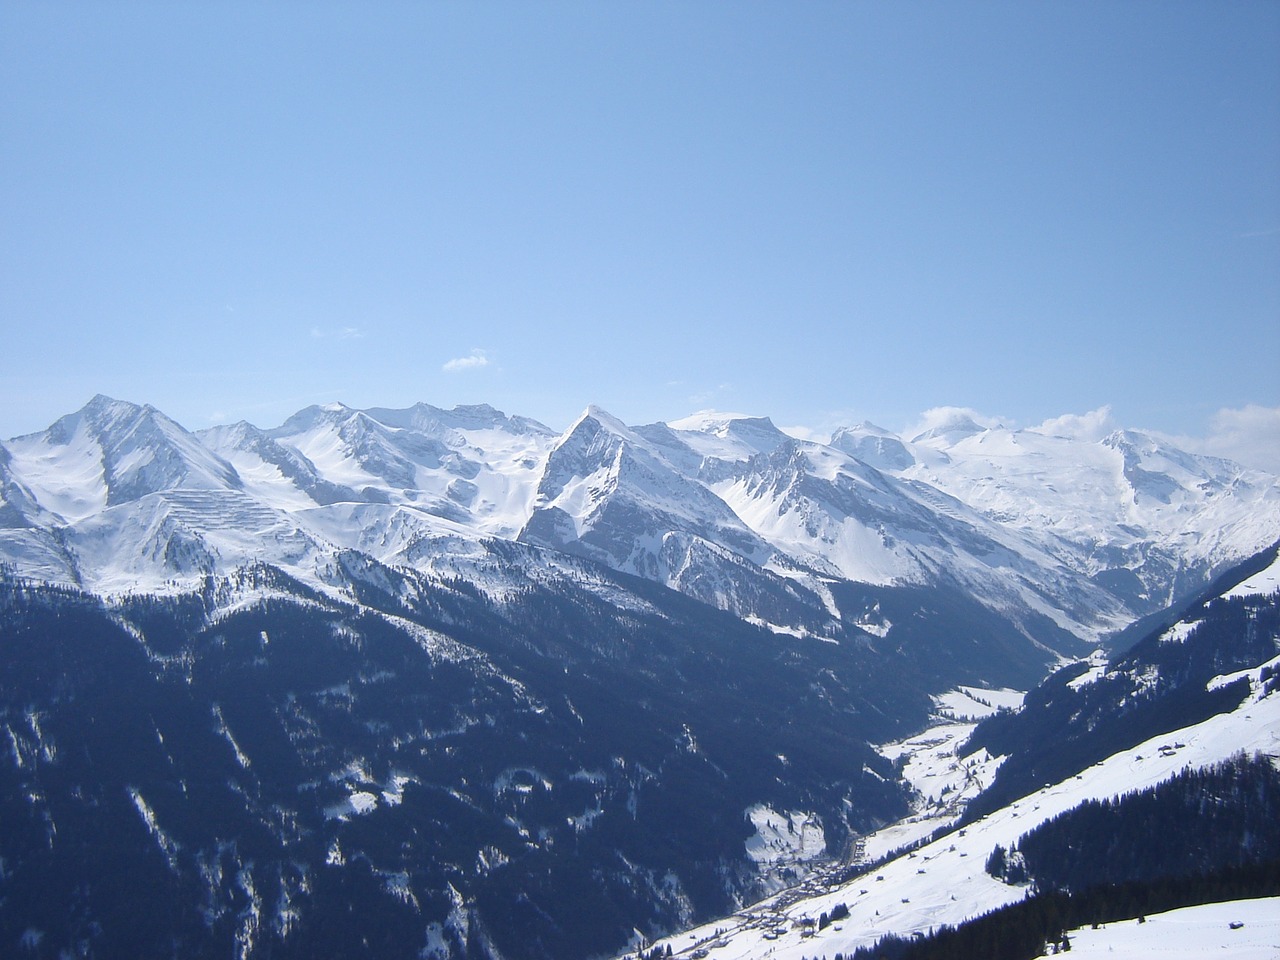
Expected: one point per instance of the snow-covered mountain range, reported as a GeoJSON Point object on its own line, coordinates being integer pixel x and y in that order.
{"type": "Point", "coordinates": [505, 692]}
{"type": "Point", "coordinates": [1059, 535]}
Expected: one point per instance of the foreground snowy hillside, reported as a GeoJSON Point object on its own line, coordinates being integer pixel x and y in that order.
{"type": "Point", "coordinates": [946, 881]}
{"type": "Point", "coordinates": [1239, 930]}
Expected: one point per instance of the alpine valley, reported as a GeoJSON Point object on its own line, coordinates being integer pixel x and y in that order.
{"type": "Point", "coordinates": [448, 683]}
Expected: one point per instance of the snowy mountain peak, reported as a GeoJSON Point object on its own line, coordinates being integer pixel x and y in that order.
{"type": "Point", "coordinates": [482, 415]}
{"type": "Point", "coordinates": [444, 424]}
{"type": "Point", "coordinates": [864, 428]}
{"type": "Point", "coordinates": [728, 437]}
{"type": "Point", "coordinates": [308, 417]}
{"type": "Point", "coordinates": [873, 445]}
{"type": "Point", "coordinates": [609, 493]}
{"type": "Point", "coordinates": [730, 424]}
{"type": "Point", "coordinates": [114, 452]}
{"type": "Point", "coordinates": [757, 432]}
{"type": "Point", "coordinates": [706, 421]}
{"type": "Point", "coordinates": [583, 465]}
{"type": "Point", "coordinates": [103, 414]}
{"type": "Point", "coordinates": [595, 417]}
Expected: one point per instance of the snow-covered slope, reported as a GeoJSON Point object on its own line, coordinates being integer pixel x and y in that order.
{"type": "Point", "coordinates": [610, 494]}
{"type": "Point", "coordinates": [472, 465]}
{"type": "Point", "coordinates": [841, 518]}
{"type": "Point", "coordinates": [1142, 518]}
{"type": "Point", "coordinates": [1239, 930]}
{"type": "Point", "coordinates": [111, 453]}
{"type": "Point", "coordinates": [119, 496]}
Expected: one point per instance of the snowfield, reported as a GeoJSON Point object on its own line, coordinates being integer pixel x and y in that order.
{"type": "Point", "coordinates": [1237, 930]}
{"type": "Point", "coordinates": [945, 783]}
{"type": "Point", "coordinates": [1265, 582]}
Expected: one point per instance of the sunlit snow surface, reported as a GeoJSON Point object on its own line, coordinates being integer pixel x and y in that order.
{"type": "Point", "coordinates": [357, 803]}
{"type": "Point", "coordinates": [1096, 671]}
{"type": "Point", "coordinates": [1113, 494]}
{"type": "Point", "coordinates": [975, 703]}
{"type": "Point", "coordinates": [66, 479]}
{"type": "Point", "coordinates": [784, 837]}
{"type": "Point", "coordinates": [1265, 582]}
{"type": "Point", "coordinates": [1238, 930]}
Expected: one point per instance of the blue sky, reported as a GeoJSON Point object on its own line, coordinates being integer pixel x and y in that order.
{"type": "Point", "coordinates": [822, 212]}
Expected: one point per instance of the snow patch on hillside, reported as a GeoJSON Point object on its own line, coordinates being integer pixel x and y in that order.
{"type": "Point", "coordinates": [1265, 582]}
{"type": "Point", "coordinates": [353, 805]}
{"type": "Point", "coordinates": [944, 783]}
{"type": "Point", "coordinates": [784, 837]}
{"type": "Point", "coordinates": [976, 703]}
{"type": "Point", "coordinates": [1179, 632]}
{"type": "Point", "coordinates": [1097, 670]}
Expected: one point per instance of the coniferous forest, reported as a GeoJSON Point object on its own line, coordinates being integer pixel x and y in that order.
{"type": "Point", "coordinates": [1198, 823]}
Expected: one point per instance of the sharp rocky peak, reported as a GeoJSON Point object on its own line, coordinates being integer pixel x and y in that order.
{"type": "Point", "coordinates": [103, 416]}
{"type": "Point", "coordinates": [596, 417]}
{"type": "Point", "coordinates": [141, 450]}
{"type": "Point", "coordinates": [309, 417]}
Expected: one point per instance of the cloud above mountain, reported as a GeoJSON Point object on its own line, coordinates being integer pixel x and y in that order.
{"type": "Point", "coordinates": [1250, 435]}
{"type": "Point", "coordinates": [1093, 425]}
{"type": "Point", "coordinates": [476, 359]}
{"type": "Point", "coordinates": [942, 419]}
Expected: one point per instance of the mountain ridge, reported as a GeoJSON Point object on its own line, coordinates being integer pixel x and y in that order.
{"type": "Point", "coordinates": [1090, 535]}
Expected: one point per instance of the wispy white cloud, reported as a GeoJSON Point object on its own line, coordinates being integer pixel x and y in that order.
{"type": "Point", "coordinates": [474, 360]}
{"type": "Point", "coordinates": [1093, 425]}
{"type": "Point", "coordinates": [341, 333]}
{"type": "Point", "coordinates": [704, 397]}
{"type": "Point", "coordinates": [1249, 435]}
